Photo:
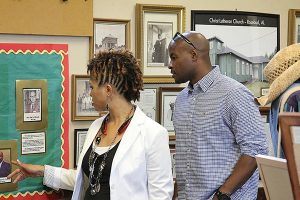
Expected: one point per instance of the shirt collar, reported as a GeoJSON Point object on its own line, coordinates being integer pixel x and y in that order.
{"type": "Point", "coordinates": [204, 83]}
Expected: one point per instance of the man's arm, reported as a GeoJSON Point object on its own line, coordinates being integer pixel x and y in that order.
{"type": "Point", "coordinates": [243, 170]}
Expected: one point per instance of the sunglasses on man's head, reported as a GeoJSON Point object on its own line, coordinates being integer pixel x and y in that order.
{"type": "Point", "coordinates": [185, 39]}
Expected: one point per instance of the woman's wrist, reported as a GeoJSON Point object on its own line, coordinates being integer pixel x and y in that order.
{"type": "Point", "coordinates": [41, 170]}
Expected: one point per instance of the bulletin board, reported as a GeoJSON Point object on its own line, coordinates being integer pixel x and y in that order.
{"type": "Point", "coordinates": [54, 17]}
{"type": "Point", "coordinates": [34, 62]}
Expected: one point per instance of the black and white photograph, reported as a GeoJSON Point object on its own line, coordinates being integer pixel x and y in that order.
{"type": "Point", "coordinates": [31, 104]}
{"type": "Point", "coordinates": [167, 104]}
{"type": "Point", "coordinates": [84, 106]}
{"type": "Point", "coordinates": [158, 38]}
{"type": "Point", "coordinates": [32, 99]}
{"type": "Point", "coordinates": [111, 34]}
{"type": "Point", "coordinates": [148, 102]}
{"type": "Point", "coordinates": [155, 26]}
{"type": "Point", "coordinates": [79, 139]}
{"type": "Point", "coordinates": [241, 43]}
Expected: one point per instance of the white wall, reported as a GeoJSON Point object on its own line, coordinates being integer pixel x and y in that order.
{"type": "Point", "coordinates": [125, 9]}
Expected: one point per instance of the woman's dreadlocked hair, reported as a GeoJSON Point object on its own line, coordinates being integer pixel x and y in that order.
{"type": "Point", "coordinates": [119, 68]}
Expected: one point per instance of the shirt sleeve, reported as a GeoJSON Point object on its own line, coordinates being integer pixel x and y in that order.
{"type": "Point", "coordinates": [59, 178]}
{"type": "Point", "coordinates": [246, 122]}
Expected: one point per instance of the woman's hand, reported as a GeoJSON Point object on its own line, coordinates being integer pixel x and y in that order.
{"type": "Point", "coordinates": [26, 170]}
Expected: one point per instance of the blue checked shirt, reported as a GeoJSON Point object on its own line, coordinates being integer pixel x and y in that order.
{"type": "Point", "coordinates": [216, 121]}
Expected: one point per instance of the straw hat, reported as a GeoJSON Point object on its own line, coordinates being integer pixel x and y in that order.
{"type": "Point", "coordinates": [281, 72]}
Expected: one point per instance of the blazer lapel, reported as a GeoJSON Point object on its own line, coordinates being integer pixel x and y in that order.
{"type": "Point", "coordinates": [129, 137]}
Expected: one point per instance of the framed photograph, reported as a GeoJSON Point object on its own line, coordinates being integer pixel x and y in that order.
{"type": "Point", "coordinates": [31, 108]}
{"type": "Point", "coordinates": [294, 26]}
{"type": "Point", "coordinates": [8, 152]}
{"type": "Point", "coordinates": [155, 27]}
{"type": "Point", "coordinates": [111, 33]}
{"type": "Point", "coordinates": [82, 107]}
{"type": "Point", "coordinates": [148, 102]}
{"type": "Point", "coordinates": [79, 139]}
{"type": "Point", "coordinates": [33, 143]}
{"type": "Point", "coordinates": [241, 43]}
{"type": "Point", "coordinates": [167, 97]}
{"type": "Point", "coordinates": [289, 123]}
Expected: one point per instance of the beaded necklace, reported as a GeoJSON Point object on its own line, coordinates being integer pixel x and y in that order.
{"type": "Point", "coordinates": [95, 180]}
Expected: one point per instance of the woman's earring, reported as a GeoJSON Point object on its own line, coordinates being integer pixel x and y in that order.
{"type": "Point", "coordinates": [107, 106]}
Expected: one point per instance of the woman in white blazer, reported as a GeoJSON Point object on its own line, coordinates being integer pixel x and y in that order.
{"type": "Point", "coordinates": [132, 149]}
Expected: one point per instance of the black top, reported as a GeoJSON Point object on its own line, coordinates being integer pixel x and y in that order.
{"type": "Point", "coordinates": [104, 193]}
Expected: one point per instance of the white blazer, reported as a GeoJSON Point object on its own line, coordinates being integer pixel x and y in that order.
{"type": "Point", "coordinates": [141, 168]}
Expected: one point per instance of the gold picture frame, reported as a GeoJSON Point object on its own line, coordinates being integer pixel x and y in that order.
{"type": "Point", "coordinates": [9, 150]}
{"type": "Point", "coordinates": [293, 26]}
{"type": "Point", "coordinates": [107, 32]}
{"type": "Point", "coordinates": [82, 109]}
{"type": "Point", "coordinates": [31, 105]}
{"type": "Point", "coordinates": [155, 27]}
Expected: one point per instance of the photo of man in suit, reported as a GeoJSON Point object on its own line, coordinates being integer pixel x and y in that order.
{"type": "Point", "coordinates": [32, 104]}
{"type": "Point", "coordinates": [5, 167]}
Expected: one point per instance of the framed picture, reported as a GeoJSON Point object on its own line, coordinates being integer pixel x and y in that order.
{"type": "Point", "coordinates": [241, 43]}
{"type": "Point", "coordinates": [82, 107]}
{"type": "Point", "coordinates": [155, 27]}
{"type": "Point", "coordinates": [264, 91]}
{"type": "Point", "coordinates": [289, 123]}
{"type": "Point", "coordinates": [148, 102]}
{"type": "Point", "coordinates": [8, 152]}
{"type": "Point", "coordinates": [167, 97]}
{"type": "Point", "coordinates": [31, 107]}
{"type": "Point", "coordinates": [110, 33]}
{"type": "Point", "coordinates": [173, 154]}
{"type": "Point", "coordinates": [294, 26]}
{"type": "Point", "coordinates": [79, 139]}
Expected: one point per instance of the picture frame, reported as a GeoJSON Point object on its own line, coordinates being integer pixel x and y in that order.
{"type": "Point", "coordinates": [289, 123]}
{"type": "Point", "coordinates": [79, 138]}
{"type": "Point", "coordinates": [274, 176]}
{"type": "Point", "coordinates": [148, 102]}
{"type": "Point", "coordinates": [9, 152]}
{"type": "Point", "coordinates": [241, 43]}
{"type": "Point", "coordinates": [82, 108]}
{"type": "Point", "coordinates": [167, 97]}
{"type": "Point", "coordinates": [155, 27]}
{"type": "Point", "coordinates": [264, 91]}
{"type": "Point", "coordinates": [293, 26]}
{"type": "Point", "coordinates": [31, 104]}
{"type": "Point", "coordinates": [110, 33]}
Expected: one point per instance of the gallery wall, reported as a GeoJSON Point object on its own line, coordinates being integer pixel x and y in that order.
{"type": "Point", "coordinates": [79, 46]}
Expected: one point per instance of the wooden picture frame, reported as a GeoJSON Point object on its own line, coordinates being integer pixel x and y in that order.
{"type": "Point", "coordinates": [155, 27]}
{"type": "Point", "coordinates": [167, 97]}
{"type": "Point", "coordinates": [148, 102]}
{"type": "Point", "coordinates": [241, 43]}
{"type": "Point", "coordinates": [79, 138]}
{"type": "Point", "coordinates": [9, 150]}
{"type": "Point", "coordinates": [275, 177]}
{"type": "Point", "coordinates": [110, 33]}
{"type": "Point", "coordinates": [290, 133]}
{"type": "Point", "coordinates": [82, 109]}
{"type": "Point", "coordinates": [31, 105]}
{"type": "Point", "coordinates": [293, 26]}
